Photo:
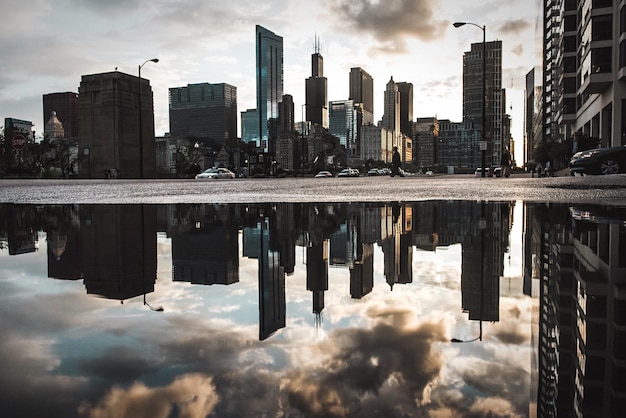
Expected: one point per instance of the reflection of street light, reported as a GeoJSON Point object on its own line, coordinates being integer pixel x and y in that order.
{"type": "Point", "coordinates": [157, 309]}
{"type": "Point", "coordinates": [247, 162]}
{"type": "Point", "coordinates": [484, 139]}
{"type": "Point", "coordinates": [155, 60]}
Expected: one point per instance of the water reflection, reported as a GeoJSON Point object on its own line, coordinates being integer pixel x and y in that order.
{"type": "Point", "coordinates": [338, 309]}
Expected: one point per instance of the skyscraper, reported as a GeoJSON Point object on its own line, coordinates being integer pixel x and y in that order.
{"type": "Point", "coordinates": [472, 95]}
{"type": "Point", "coordinates": [66, 107]}
{"type": "Point", "coordinates": [362, 91]}
{"type": "Point", "coordinates": [205, 112]}
{"type": "Point", "coordinates": [406, 107]}
{"type": "Point", "coordinates": [317, 90]}
{"type": "Point", "coordinates": [269, 80]}
{"type": "Point", "coordinates": [391, 115]}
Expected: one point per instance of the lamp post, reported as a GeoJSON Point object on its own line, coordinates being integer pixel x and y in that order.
{"type": "Point", "coordinates": [483, 145]}
{"type": "Point", "coordinates": [155, 60]}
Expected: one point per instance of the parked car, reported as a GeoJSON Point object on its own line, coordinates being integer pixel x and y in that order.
{"type": "Point", "coordinates": [479, 172]}
{"type": "Point", "coordinates": [323, 174]}
{"type": "Point", "coordinates": [216, 173]}
{"type": "Point", "coordinates": [611, 160]}
{"type": "Point", "coordinates": [497, 172]}
{"type": "Point", "coordinates": [429, 173]}
{"type": "Point", "coordinates": [373, 172]}
{"type": "Point", "coordinates": [349, 172]}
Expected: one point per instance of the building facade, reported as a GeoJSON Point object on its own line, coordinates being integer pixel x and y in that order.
{"type": "Point", "coordinates": [65, 105]}
{"type": "Point", "coordinates": [111, 142]}
{"type": "Point", "coordinates": [473, 71]}
{"type": "Point", "coordinates": [362, 91]}
{"type": "Point", "coordinates": [204, 112]}
{"type": "Point", "coordinates": [269, 80]}
{"type": "Point", "coordinates": [343, 123]}
{"type": "Point", "coordinates": [406, 107]}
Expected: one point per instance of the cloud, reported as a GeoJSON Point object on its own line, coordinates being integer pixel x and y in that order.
{"type": "Point", "coordinates": [514, 27]}
{"type": "Point", "coordinates": [190, 395]}
{"type": "Point", "coordinates": [389, 21]}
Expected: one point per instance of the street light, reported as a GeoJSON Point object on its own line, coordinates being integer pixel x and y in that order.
{"type": "Point", "coordinates": [483, 146]}
{"type": "Point", "coordinates": [155, 60]}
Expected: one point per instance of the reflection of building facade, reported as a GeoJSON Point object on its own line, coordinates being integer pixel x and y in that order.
{"type": "Point", "coordinates": [118, 249]}
{"type": "Point", "coordinates": [207, 254]}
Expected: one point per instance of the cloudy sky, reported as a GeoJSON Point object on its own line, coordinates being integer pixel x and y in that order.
{"type": "Point", "coordinates": [52, 43]}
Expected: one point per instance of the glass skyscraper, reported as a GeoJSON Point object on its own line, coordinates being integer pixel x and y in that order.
{"type": "Point", "coordinates": [269, 79]}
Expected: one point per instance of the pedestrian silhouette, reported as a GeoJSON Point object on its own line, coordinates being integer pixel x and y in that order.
{"type": "Point", "coordinates": [395, 163]}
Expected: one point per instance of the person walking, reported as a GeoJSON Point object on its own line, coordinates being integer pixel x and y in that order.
{"type": "Point", "coordinates": [395, 163]}
{"type": "Point", "coordinates": [505, 162]}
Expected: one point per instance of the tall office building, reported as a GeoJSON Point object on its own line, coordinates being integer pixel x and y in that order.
{"type": "Point", "coordinates": [109, 136]}
{"type": "Point", "coordinates": [391, 115]}
{"type": "Point", "coordinates": [362, 91]}
{"type": "Point", "coordinates": [205, 112]}
{"type": "Point", "coordinates": [343, 123]}
{"type": "Point", "coordinates": [66, 107]}
{"type": "Point", "coordinates": [269, 80]}
{"type": "Point", "coordinates": [473, 95]}
{"type": "Point", "coordinates": [317, 90]}
{"type": "Point", "coordinates": [249, 126]}
{"type": "Point", "coordinates": [406, 107]}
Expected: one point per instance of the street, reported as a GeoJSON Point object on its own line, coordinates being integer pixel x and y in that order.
{"type": "Point", "coordinates": [590, 189]}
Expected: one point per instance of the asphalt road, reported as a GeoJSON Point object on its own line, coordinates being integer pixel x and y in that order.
{"type": "Point", "coordinates": [589, 189]}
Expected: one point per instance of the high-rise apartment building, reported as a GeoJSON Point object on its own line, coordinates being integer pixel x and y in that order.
{"type": "Point", "coordinates": [317, 91]}
{"type": "Point", "coordinates": [362, 91]}
{"type": "Point", "coordinates": [584, 62]}
{"type": "Point", "coordinates": [110, 139]}
{"type": "Point", "coordinates": [65, 105]}
{"type": "Point", "coordinates": [204, 112]}
{"type": "Point", "coordinates": [269, 80]}
{"type": "Point", "coordinates": [473, 95]}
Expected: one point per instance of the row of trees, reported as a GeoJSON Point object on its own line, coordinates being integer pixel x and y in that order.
{"type": "Point", "coordinates": [558, 154]}
{"type": "Point", "coordinates": [47, 158]}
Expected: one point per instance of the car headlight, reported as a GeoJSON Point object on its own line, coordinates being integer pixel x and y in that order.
{"type": "Point", "coordinates": [589, 154]}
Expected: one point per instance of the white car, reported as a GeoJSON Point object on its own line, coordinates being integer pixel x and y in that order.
{"type": "Point", "coordinates": [323, 174]}
{"type": "Point", "coordinates": [216, 173]}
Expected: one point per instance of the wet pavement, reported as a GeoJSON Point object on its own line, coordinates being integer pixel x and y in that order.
{"type": "Point", "coordinates": [605, 189]}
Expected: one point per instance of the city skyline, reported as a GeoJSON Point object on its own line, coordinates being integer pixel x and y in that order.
{"type": "Point", "coordinates": [409, 41]}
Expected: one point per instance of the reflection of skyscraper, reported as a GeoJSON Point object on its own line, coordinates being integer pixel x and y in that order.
{"type": "Point", "coordinates": [480, 285]}
{"type": "Point", "coordinates": [271, 286]}
{"type": "Point", "coordinates": [269, 80]}
{"type": "Point", "coordinates": [118, 249]}
{"type": "Point", "coordinates": [398, 246]}
{"type": "Point", "coordinates": [206, 255]}
{"type": "Point", "coordinates": [317, 273]}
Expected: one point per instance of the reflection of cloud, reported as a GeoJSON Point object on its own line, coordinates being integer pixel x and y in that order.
{"type": "Point", "coordinates": [191, 395]}
{"type": "Point", "coordinates": [119, 363]}
{"type": "Point", "coordinates": [388, 366]}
